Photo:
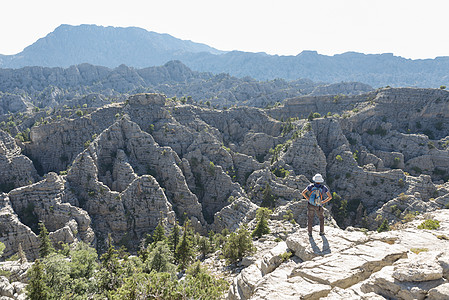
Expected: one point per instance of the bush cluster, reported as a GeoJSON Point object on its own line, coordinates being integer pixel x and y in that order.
{"type": "Point", "coordinates": [77, 273]}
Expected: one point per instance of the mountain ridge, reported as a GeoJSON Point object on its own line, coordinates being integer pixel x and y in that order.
{"type": "Point", "coordinates": [140, 48]}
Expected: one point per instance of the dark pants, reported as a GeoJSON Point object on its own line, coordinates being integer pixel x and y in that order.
{"type": "Point", "coordinates": [311, 211]}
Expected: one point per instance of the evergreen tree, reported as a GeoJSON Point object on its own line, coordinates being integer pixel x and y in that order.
{"type": "Point", "coordinates": [160, 259]}
{"type": "Point", "coordinates": [57, 275]}
{"type": "Point", "coordinates": [83, 265]}
{"type": "Point", "coordinates": [2, 248]}
{"type": "Point", "coordinates": [46, 246]}
{"type": "Point", "coordinates": [21, 254]}
{"type": "Point", "coordinates": [238, 245]}
{"type": "Point", "coordinates": [110, 274]}
{"type": "Point", "coordinates": [37, 288]}
{"type": "Point", "coordinates": [268, 197]}
{"type": "Point", "coordinates": [262, 225]}
{"type": "Point", "coordinates": [384, 226]}
{"type": "Point", "coordinates": [204, 246]}
{"type": "Point", "coordinates": [184, 251]}
{"type": "Point", "coordinates": [159, 233]}
{"type": "Point", "coordinates": [173, 238]}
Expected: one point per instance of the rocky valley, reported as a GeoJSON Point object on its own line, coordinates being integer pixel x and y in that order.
{"type": "Point", "coordinates": [99, 170]}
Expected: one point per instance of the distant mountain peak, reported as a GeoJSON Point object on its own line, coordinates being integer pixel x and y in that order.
{"type": "Point", "coordinates": [107, 46]}
{"type": "Point", "coordinates": [135, 47]}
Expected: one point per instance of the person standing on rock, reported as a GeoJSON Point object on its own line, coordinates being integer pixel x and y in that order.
{"type": "Point", "coordinates": [314, 194]}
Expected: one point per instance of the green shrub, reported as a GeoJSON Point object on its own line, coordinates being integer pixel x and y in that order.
{"type": "Point", "coordinates": [288, 216]}
{"type": "Point", "coordinates": [238, 245]}
{"type": "Point", "coordinates": [409, 217]}
{"type": "Point", "coordinates": [396, 162]}
{"type": "Point", "coordinates": [281, 172]}
{"type": "Point", "coordinates": [211, 168]}
{"type": "Point", "coordinates": [419, 250]}
{"type": "Point", "coordinates": [384, 226]}
{"type": "Point", "coordinates": [429, 224]}
{"type": "Point", "coordinates": [338, 158]}
{"type": "Point", "coordinates": [285, 256]}
{"type": "Point", "coordinates": [262, 228]}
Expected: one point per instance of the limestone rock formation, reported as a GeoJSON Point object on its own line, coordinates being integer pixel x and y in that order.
{"type": "Point", "coordinates": [10, 103]}
{"type": "Point", "coordinates": [346, 88]}
{"type": "Point", "coordinates": [45, 202]}
{"type": "Point", "coordinates": [351, 264]}
{"type": "Point", "coordinates": [126, 167]}
{"type": "Point", "coordinates": [15, 169]}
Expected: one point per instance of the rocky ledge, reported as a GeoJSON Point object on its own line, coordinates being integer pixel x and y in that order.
{"type": "Point", "coordinates": [410, 263]}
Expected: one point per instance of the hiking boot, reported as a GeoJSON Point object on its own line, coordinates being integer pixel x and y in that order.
{"type": "Point", "coordinates": [321, 233]}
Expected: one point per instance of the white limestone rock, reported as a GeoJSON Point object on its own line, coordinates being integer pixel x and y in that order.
{"type": "Point", "coordinates": [6, 289]}
{"type": "Point", "coordinates": [351, 265]}
{"type": "Point", "coordinates": [335, 240]}
{"type": "Point", "coordinates": [423, 267]}
{"type": "Point", "coordinates": [384, 284]}
{"type": "Point", "coordinates": [440, 292]}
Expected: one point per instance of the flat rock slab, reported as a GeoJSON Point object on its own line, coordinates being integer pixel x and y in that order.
{"type": "Point", "coordinates": [277, 286]}
{"type": "Point", "coordinates": [421, 267]}
{"type": "Point", "coordinates": [384, 284]}
{"type": "Point", "coordinates": [351, 265]}
{"type": "Point", "coordinates": [348, 294]}
{"type": "Point", "coordinates": [335, 240]}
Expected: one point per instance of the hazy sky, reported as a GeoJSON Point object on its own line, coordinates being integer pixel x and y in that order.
{"type": "Point", "coordinates": [412, 29]}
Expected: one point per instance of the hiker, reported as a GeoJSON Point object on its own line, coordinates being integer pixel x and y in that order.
{"type": "Point", "coordinates": [314, 194]}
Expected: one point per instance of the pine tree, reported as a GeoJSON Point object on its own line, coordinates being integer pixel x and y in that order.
{"type": "Point", "coordinates": [173, 239]}
{"type": "Point", "coordinates": [46, 246]}
{"type": "Point", "coordinates": [268, 197]}
{"type": "Point", "coordinates": [262, 224]}
{"type": "Point", "coordinates": [37, 288]}
{"type": "Point", "coordinates": [2, 248]}
{"type": "Point", "coordinates": [159, 233]}
{"type": "Point", "coordinates": [160, 258]}
{"type": "Point", "coordinates": [184, 251]}
{"type": "Point", "coordinates": [238, 245]}
{"type": "Point", "coordinates": [204, 246]}
{"type": "Point", "coordinates": [21, 254]}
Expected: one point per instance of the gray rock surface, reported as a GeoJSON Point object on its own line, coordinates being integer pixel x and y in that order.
{"type": "Point", "coordinates": [439, 293]}
{"type": "Point", "coordinates": [15, 169]}
{"type": "Point", "coordinates": [424, 267]}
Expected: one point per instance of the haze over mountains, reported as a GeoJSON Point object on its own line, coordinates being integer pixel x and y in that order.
{"type": "Point", "coordinates": [135, 47]}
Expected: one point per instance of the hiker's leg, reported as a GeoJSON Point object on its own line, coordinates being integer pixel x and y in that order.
{"type": "Point", "coordinates": [321, 217]}
{"type": "Point", "coordinates": [310, 216]}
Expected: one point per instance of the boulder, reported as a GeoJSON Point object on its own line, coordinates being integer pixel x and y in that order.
{"type": "Point", "coordinates": [351, 265]}
{"type": "Point", "coordinates": [440, 292]}
{"type": "Point", "coordinates": [6, 289]}
{"type": "Point", "coordinates": [424, 267]}
{"type": "Point", "coordinates": [383, 283]}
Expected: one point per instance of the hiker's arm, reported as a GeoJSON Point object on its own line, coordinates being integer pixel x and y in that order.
{"type": "Point", "coordinates": [329, 197]}
{"type": "Point", "coordinates": [304, 193]}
